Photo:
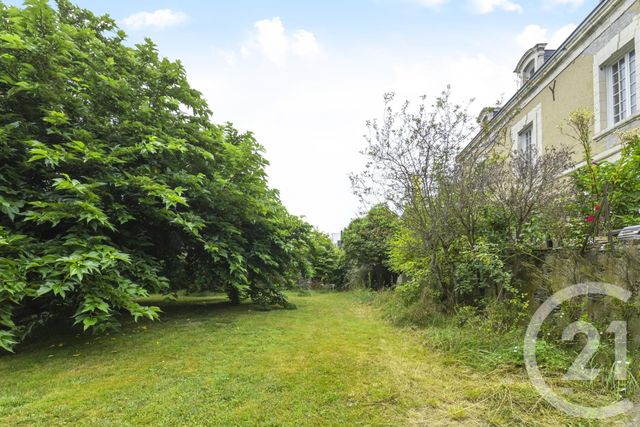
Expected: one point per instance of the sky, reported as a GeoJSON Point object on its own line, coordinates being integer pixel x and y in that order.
{"type": "Point", "coordinates": [306, 76]}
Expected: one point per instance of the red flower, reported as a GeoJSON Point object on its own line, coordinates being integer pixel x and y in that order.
{"type": "Point", "coordinates": [591, 218]}
{"type": "Point", "coordinates": [596, 208]}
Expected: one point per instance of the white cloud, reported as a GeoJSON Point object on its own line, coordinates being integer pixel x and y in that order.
{"type": "Point", "coordinates": [431, 3]}
{"type": "Point", "coordinates": [310, 116]}
{"type": "Point", "coordinates": [431, 76]}
{"type": "Point", "coordinates": [304, 44]}
{"type": "Point", "coordinates": [573, 3]}
{"type": "Point", "coordinates": [159, 19]}
{"type": "Point", "coordinates": [560, 35]}
{"type": "Point", "coordinates": [488, 6]}
{"type": "Point", "coordinates": [271, 40]}
{"type": "Point", "coordinates": [533, 34]}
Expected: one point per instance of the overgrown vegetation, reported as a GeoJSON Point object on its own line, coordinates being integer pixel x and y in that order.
{"type": "Point", "coordinates": [468, 224]}
{"type": "Point", "coordinates": [476, 230]}
{"type": "Point", "coordinates": [115, 183]}
{"type": "Point", "coordinates": [608, 193]}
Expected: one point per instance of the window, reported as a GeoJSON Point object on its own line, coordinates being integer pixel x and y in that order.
{"type": "Point", "coordinates": [525, 140]}
{"type": "Point", "coordinates": [529, 71]}
{"type": "Point", "coordinates": [623, 88]}
{"type": "Point", "coordinates": [526, 134]}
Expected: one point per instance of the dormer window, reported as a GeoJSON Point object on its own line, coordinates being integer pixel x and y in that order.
{"type": "Point", "coordinates": [529, 71]}
{"type": "Point", "coordinates": [531, 62]}
{"type": "Point", "coordinates": [487, 114]}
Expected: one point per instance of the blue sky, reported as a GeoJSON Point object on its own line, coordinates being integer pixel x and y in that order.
{"type": "Point", "coordinates": [305, 76]}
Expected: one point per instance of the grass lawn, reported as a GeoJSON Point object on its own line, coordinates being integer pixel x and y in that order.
{"type": "Point", "coordinates": [333, 361]}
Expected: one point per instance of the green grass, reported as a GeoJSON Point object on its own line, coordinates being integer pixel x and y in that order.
{"type": "Point", "coordinates": [333, 361]}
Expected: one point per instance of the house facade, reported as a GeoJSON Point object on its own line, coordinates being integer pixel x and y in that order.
{"type": "Point", "coordinates": [593, 69]}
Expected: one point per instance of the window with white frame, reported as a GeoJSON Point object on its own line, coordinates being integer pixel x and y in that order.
{"type": "Point", "coordinates": [526, 133]}
{"type": "Point", "coordinates": [622, 88]}
{"type": "Point", "coordinates": [525, 139]}
{"type": "Point", "coordinates": [529, 71]}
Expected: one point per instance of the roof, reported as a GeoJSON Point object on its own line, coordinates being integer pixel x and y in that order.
{"type": "Point", "coordinates": [527, 56]}
{"type": "Point", "coordinates": [552, 59]}
{"type": "Point", "coordinates": [548, 53]}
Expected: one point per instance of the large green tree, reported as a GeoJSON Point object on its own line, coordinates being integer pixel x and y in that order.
{"type": "Point", "coordinates": [324, 259]}
{"type": "Point", "coordinates": [115, 183]}
{"type": "Point", "coordinates": [367, 244]}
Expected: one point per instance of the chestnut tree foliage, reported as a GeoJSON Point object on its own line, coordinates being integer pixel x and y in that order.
{"type": "Point", "coordinates": [114, 183]}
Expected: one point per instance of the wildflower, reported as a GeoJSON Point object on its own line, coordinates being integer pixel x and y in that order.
{"type": "Point", "coordinates": [591, 218]}
{"type": "Point", "coordinates": [596, 208]}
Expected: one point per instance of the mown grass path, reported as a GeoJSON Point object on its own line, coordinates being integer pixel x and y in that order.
{"type": "Point", "coordinates": [333, 361]}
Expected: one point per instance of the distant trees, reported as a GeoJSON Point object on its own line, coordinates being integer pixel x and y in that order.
{"type": "Point", "coordinates": [367, 242]}
{"type": "Point", "coordinates": [325, 259]}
